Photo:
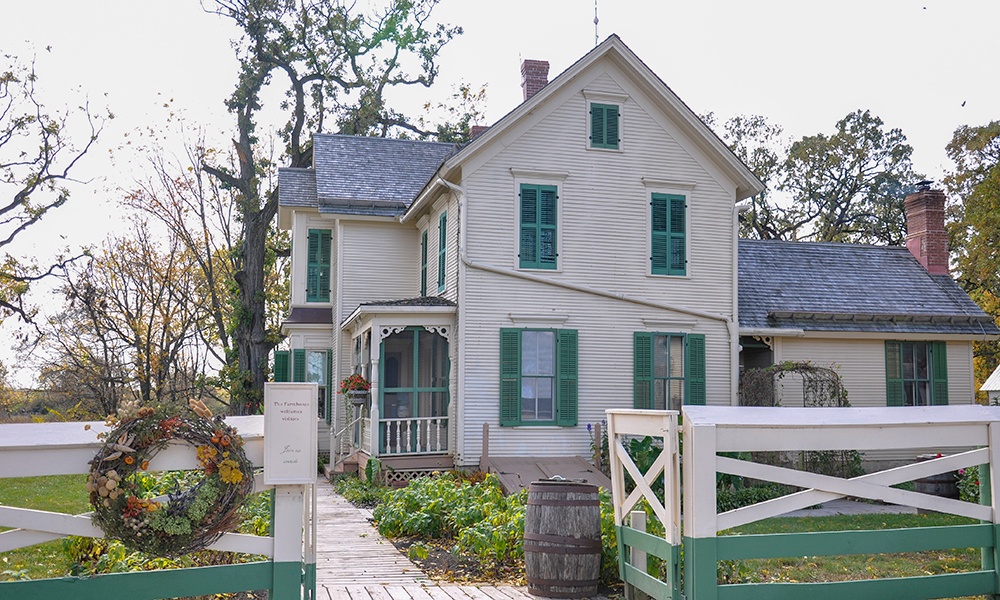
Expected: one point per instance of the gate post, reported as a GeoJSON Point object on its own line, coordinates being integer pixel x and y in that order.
{"type": "Point", "coordinates": [288, 532]}
{"type": "Point", "coordinates": [700, 515]}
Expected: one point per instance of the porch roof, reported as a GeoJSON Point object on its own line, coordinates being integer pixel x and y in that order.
{"type": "Point", "coordinates": [421, 305]}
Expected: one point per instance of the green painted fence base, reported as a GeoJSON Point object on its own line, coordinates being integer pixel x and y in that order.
{"type": "Point", "coordinates": [948, 585]}
{"type": "Point", "coordinates": [149, 585]}
{"type": "Point", "coordinates": [288, 579]}
{"type": "Point", "coordinates": [653, 546]}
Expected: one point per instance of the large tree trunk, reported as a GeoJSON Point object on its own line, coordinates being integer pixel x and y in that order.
{"type": "Point", "coordinates": [250, 334]}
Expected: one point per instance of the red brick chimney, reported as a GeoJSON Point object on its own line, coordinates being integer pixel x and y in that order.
{"type": "Point", "coordinates": [926, 237]}
{"type": "Point", "coordinates": [534, 76]}
{"type": "Point", "coordinates": [477, 130]}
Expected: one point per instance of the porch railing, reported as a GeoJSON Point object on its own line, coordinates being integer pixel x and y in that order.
{"type": "Point", "coordinates": [415, 435]}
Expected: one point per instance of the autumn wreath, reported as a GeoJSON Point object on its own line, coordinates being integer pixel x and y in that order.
{"type": "Point", "coordinates": [185, 520]}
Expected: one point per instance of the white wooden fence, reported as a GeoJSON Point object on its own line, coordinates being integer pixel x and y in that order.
{"type": "Point", "coordinates": [29, 450]}
{"type": "Point", "coordinates": [709, 431]}
{"type": "Point", "coordinates": [634, 544]}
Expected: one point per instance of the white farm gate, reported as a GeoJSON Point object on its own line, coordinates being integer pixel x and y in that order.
{"type": "Point", "coordinates": [36, 449]}
{"type": "Point", "coordinates": [710, 431]}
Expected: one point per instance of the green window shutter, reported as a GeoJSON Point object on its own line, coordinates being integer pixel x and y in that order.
{"type": "Point", "coordinates": [694, 378]}
{"type": "Point", "coordinates": [423, 263]}
{"type": "Point", "coordinates": [331, 386]}
{"type": "Point", "coordinates": [678, 235]}
{"type": "Point", "coordinates": [660, 241]}
{"type": "Point", "coordinates": [281, 365]}
{"type": "Point", "coordinates": [442, 248]}
{"type": "Point", "coordinates": [611, 126]}
{"type": "Point", "coordinates": [642, 370]}
{"type": "Point", "coordinates": [893, 373]}
{"type": "Point", "coordinates": [538, 227]}
{"type": "Point", "coordinates": [318, 266]}
{"type": "Point", "coordinates": [298, 365]}
{"type": "Point", "coordinates": [668, 255]}
{"type": "Point", "coordinates": [510, 377]}
{"type": "Point", "coordinates": [939, 373]}
{"type": "Point", "coordinates": [604, 126]}
{"type": "Point", "coordinates": [568, 379]}
{"type": "Point", "coordinates": [529, 226]}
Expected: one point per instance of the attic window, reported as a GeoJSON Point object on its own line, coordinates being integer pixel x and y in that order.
{"type": "Point", "coordinates": [605, 126]}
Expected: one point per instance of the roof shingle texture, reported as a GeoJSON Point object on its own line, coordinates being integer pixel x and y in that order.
{"type": "Point", "coordinates": [362, 173]}
{"type": "Point", "coordinates": [849, 287]}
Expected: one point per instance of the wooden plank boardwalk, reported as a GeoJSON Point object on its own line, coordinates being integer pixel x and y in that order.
{"type": "Point", "coordinates": [354, 562]}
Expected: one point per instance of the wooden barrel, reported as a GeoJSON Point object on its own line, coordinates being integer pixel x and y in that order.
{"type": "Point", "coordinates": [562, 539]}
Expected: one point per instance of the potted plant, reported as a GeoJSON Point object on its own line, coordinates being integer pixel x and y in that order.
{"type": "Point", "coordinates": [355, 387]}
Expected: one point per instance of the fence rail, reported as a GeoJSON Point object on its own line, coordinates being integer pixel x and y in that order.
{"type": "Point", "coordinates": [36, 449]}
{"type": "Point", "coordinates": [633, 542]}
{"type": "Point", "coordinates": [416, 435]}
{"type": "Point", "coordinates": [709, 431]}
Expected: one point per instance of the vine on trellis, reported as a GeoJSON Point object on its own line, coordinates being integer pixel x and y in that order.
{"type": "Point", "coordinates": [821, 386]}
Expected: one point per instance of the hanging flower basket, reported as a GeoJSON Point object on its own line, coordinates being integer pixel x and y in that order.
{"type": "Point", "coordinates": [358, 397]}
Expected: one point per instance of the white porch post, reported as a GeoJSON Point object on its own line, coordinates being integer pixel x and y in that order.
{"type": "Point", "coordinates": [374, 380]}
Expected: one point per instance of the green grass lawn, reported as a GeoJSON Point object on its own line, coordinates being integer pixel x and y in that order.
{"type": "Point", "coordinates": [855, 566]}
{"type": "Point", "coordinates": [57, 493]}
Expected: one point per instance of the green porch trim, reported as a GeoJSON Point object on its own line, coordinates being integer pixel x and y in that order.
{"type": "Point", "coordinates": [833, 543]}
{"type": "Point", "coordinates": [701, 568]}
{"type": "Point", "coordinates": [948, 585]}
{"type": "Point", "coordinates": [152, 585]}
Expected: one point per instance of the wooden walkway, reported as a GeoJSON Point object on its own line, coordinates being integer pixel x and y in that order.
{"type": "Point", "coordinates": [354, 562]}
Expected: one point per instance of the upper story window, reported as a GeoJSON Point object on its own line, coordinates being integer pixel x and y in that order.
{"type": "Point", "coordinates": [668, 243]}
{"type": "Point", "coordinates": [318, 266]}
{"type": "Point", "coordinates": [442, 248]}
{"type": "Point", "coordinates": [916, 373]}
{"type": "Point", "coordinates": [605, 126]}
{"type": "Point", "coordinates": [423, 263]}
{"type": "Point", "coordinates": [538, 226]}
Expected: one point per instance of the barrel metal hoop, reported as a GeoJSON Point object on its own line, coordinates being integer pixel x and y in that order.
{"type": "Point", "coordinates": [563, 582]}
{"type": "Point", "coordinates": [562, 488]}
{"type": "Point", "coordinates": [556, 502]}
{"type": "Point", "coordinates": [559, 539]}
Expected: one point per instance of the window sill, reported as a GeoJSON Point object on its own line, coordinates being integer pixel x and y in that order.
{"type": "Point", "coordinates": [661, 276]}
{"type": "Point", "coordinates": [617, 150]}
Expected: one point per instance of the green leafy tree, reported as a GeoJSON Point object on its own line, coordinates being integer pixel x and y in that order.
{"type": "Point", "coordinates": [974, 225]}
{"type": "Point", "coordinates": [849, 186]}
{"type": "Point", "coordinates": [37, 154]}
{"type": "Point", "coordinates": [335, 64]}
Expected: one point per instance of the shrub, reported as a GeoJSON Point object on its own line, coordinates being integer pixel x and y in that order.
{"type": "Point", "coordinates": [360, 492]}
{"type": "Point", "coordinates": [968, 484]}
{"type": "Point", "coordinates": [436, 507]}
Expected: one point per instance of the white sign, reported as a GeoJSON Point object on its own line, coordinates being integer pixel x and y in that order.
{"type": "Point", "coordinates": [290, 433]}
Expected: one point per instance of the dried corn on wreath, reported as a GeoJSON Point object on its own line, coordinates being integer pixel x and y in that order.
{"type": "Point", "coordinates": [185, 520]}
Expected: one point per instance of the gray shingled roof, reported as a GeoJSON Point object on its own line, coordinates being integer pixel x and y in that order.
{"type": "Point", "coordinates": [367, 175]}
{"type": "Point", "coordinates": [849, 287]}
{"type": "Point", "coordinates": [296, 187]}
{"type": "Point", "coordinates": [418, 301]}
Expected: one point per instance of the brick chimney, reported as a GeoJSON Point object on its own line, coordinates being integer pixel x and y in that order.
{"type": "Point", "coordinates": [477, 130]}
{"type": "Point", "coordinates": [534, 76]}
{"type": "Point", "coordinates": [926, 237]}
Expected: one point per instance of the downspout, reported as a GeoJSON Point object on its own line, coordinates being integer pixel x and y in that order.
{"type": "Point", "coordinates": [459, 453]}
{"type": "Point", "coordinates": [734, 329]}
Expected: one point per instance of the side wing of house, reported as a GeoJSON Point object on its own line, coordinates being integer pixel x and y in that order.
{"type": "Point", "coordinates": [895, 332]}
{"type": "Point", "coordinates": [595, 261]}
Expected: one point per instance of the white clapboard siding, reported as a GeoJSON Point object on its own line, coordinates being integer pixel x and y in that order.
{"type": "Point", "coordinates": [861, 366]}
{"type": "Point", "coordinates": [603, 211]}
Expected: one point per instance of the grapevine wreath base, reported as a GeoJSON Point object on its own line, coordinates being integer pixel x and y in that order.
{"type": "Point", "coordinates": [185, 520]}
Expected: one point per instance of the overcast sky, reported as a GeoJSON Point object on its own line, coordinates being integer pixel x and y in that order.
{"type": "Point", "coordinates": [925, 66]}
